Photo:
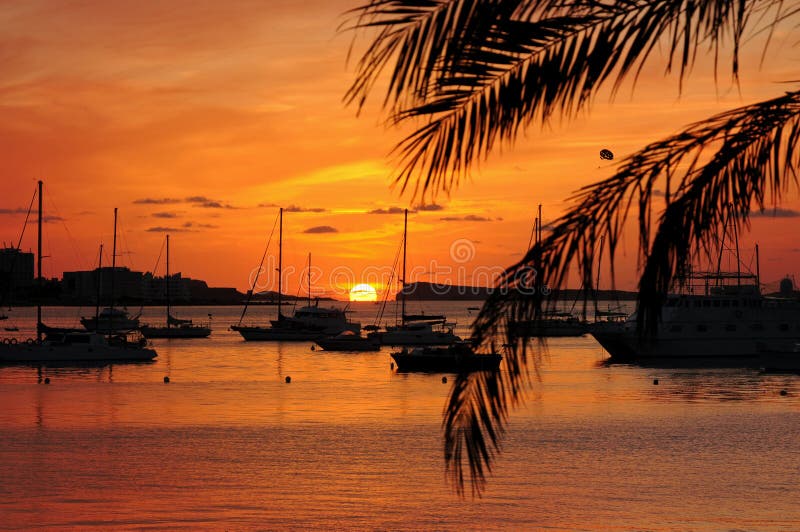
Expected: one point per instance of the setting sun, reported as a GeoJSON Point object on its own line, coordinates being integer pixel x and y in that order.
{"type": "Point", "coordinates": [363, 292]}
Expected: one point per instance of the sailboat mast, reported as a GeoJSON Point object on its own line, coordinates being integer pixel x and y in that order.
{"type": "Point", "coordinates": [403, 280]}
{"type": "Point", "coordinates": [758, 271]}
{"type": "Point", "coordinates": [99, 279]}
{"type": "Point", "coordinates": [167, 281]}
{"type": "Point", "coordinates": [39, 271]}
{"type": "Point", "coordinates": [113, 268]}
{"type": "Point", "coordinates": [280, 262]}
{"type": "Point", "coordinates": [309, 279]}
{"type": "Point", "coordinates": [539, 226]}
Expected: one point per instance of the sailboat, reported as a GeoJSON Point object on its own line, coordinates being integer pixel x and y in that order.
{"type": "Point", "coordinates": [112, 320]}
{"type": "Point", "coordinates": [417, 329]}
{"type": "Point", "coordinates": [311, 322]}
{"type": "Point", "coordinates": [70, 346]}
{"type": "Point", "coordinates": [548, 322]}
{"type": "Point", "coordinates": [459, 357]}
{"type": "Point", "coordinates": [175, 327]}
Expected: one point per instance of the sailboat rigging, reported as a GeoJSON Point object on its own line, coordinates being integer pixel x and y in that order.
{"type": "Point", "coordinates": [175, 327]}
{"type": "Point", "coordinates": [416, 329]}
{"type": "Point", "coordinates": [69, 346]}
{"type": "Point", "coordinates": [307, 323]}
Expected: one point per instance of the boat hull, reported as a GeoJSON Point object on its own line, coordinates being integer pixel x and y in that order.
{"type": "Point", "coordinates": [623, 344]}
{"type": "Point", "coordinates": [175, 332]}
{"type": "Point", "coordinates": [358, 344]}
{"type": "Point", "coordinates": [445, 362]}
{"type": "Point", "coordinates": [276, 334]}
{"type": "Point", "coordinates": [45, 352]}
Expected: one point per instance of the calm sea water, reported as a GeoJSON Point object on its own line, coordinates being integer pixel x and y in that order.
{"type": "Point", "coordinates": [227, 444]}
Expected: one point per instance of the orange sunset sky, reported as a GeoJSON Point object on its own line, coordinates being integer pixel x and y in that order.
{"type": "Point", "coordinates": [199, 118]}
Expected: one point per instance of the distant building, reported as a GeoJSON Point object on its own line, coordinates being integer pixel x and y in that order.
{"type": "Point", "coordinates": [83, 285]}
{"type": "Point", "coordinates": [155, 288]}
{"type": "Point", "coordinates": [16, 274]}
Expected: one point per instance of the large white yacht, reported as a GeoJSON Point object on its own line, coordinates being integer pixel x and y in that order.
{"type": "Point", "coordinates": [727, 317]}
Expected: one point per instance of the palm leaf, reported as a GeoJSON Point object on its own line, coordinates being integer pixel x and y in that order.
{"type": "Point", "coordinates": [475, 75]}
{"type": "Point", "coordinates": [730, 164]}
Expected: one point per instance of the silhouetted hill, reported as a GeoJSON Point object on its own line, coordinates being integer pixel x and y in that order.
{"type": "Point", "coordinates": [431, 291]}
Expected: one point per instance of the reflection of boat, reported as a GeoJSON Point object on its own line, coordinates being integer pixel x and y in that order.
{"type": "Point", "coordinates": [175, 327]}
{"type": "Point", "coordinates": [348, 341]}
{"type": "Point", "coordinates": [415, 329]}
{"type": "Point", "coordinates": [111, 320]}
{"type": "Point", "coordinates": [307, 323]}
{"type": "Point", "coordinates": [456, 358]}
{"type": "Point", "coordinates": [723, 316]}
{"type": "Point", "coordinates": [70, 346]}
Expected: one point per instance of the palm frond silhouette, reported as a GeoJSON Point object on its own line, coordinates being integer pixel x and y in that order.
{"type": "Point", "coordinates": [472, 75]}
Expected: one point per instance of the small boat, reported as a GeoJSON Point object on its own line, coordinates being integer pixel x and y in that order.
{"type": "Point", "coordinates": [456, 358]}
{"type": "Point", "coordinates": [308, 323]}
{"type": "Point", "coordinates": [418, 333]}
{"type": "Point", "coordinates": [79, 347]}
{"type": "Point", "coordinates": [473, 309]}
{"type": "Point", "coordinates": [69, 345]}
{"type": "Point", "coordinates": [111, 320]}
{"type": "Point", "coordinates": [13, 328]}
{"type": "Point", "coordinates": [175, 327]}
{"type": "Point", "coordinates": [348, 341]}
{"type": "Point", "coordinates": [3, 317]}
{"type": "Point", "coordinates": [415, 329]}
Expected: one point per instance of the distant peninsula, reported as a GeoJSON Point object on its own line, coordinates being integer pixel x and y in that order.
{"type": "Point", "coordinates": [422, 291]}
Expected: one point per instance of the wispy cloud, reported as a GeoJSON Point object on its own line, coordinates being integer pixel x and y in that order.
{"type": "Point", "coordinates": [208, 203]}
{"type": "Point", "coordinates": [162, 229]}
{"type": "Point", "coordinates": [166, 214]}
{"type": "Point", "coordinates": [390, 210]}
{"type": "Point", "coordinates": [297, 208]}
{"type": "Point", "coordinates": [199, 226]}
{"type": "Point", "coordinates": [430, 207]}
{"type": "Point", "coordinates": [775, 213]}
{"type": "Point", "coordinates": [467, 218]}
{"type": "Point", "coordinates": [197, 201]}
{"type": "Point", "coordinates": [156, 201]}
{"type": "Point", "coordinates": [321, 229]}
{"type": "Point", "coordinates": [47, 218]}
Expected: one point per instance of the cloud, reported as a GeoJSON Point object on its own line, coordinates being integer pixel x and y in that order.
{"type": "Point", "coordinates": [321, 229]}
{"type": "Point", "coordinates": [467, 218]}
{"type": "Point", "coordinates": [430, 207]}
{"type": "Point", "coordinates": [18, 210]}
{"type": "Point", "coordinates": [161, 229]}
{"type": "Point", "coordinates": [296, 208]}
{"type": "Point", "coordinates": [775, 213]}
{"type": "Point", "coordinates": [197, 201]}
{"type": "Point", "coordinates": [156, 201]}
{"type": "Point", "coordinates": [201, 226]}
{"type": "Point", "coordinates": [268, 205]}
{"type": "Point", "coordinates": [166, 214]}
{"type": "Point", "coordinates": [45, 219]}
{"type": "Point", "coordinates": [208, 203]}
{"type": "Point", "coordinates": [390, 210]}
